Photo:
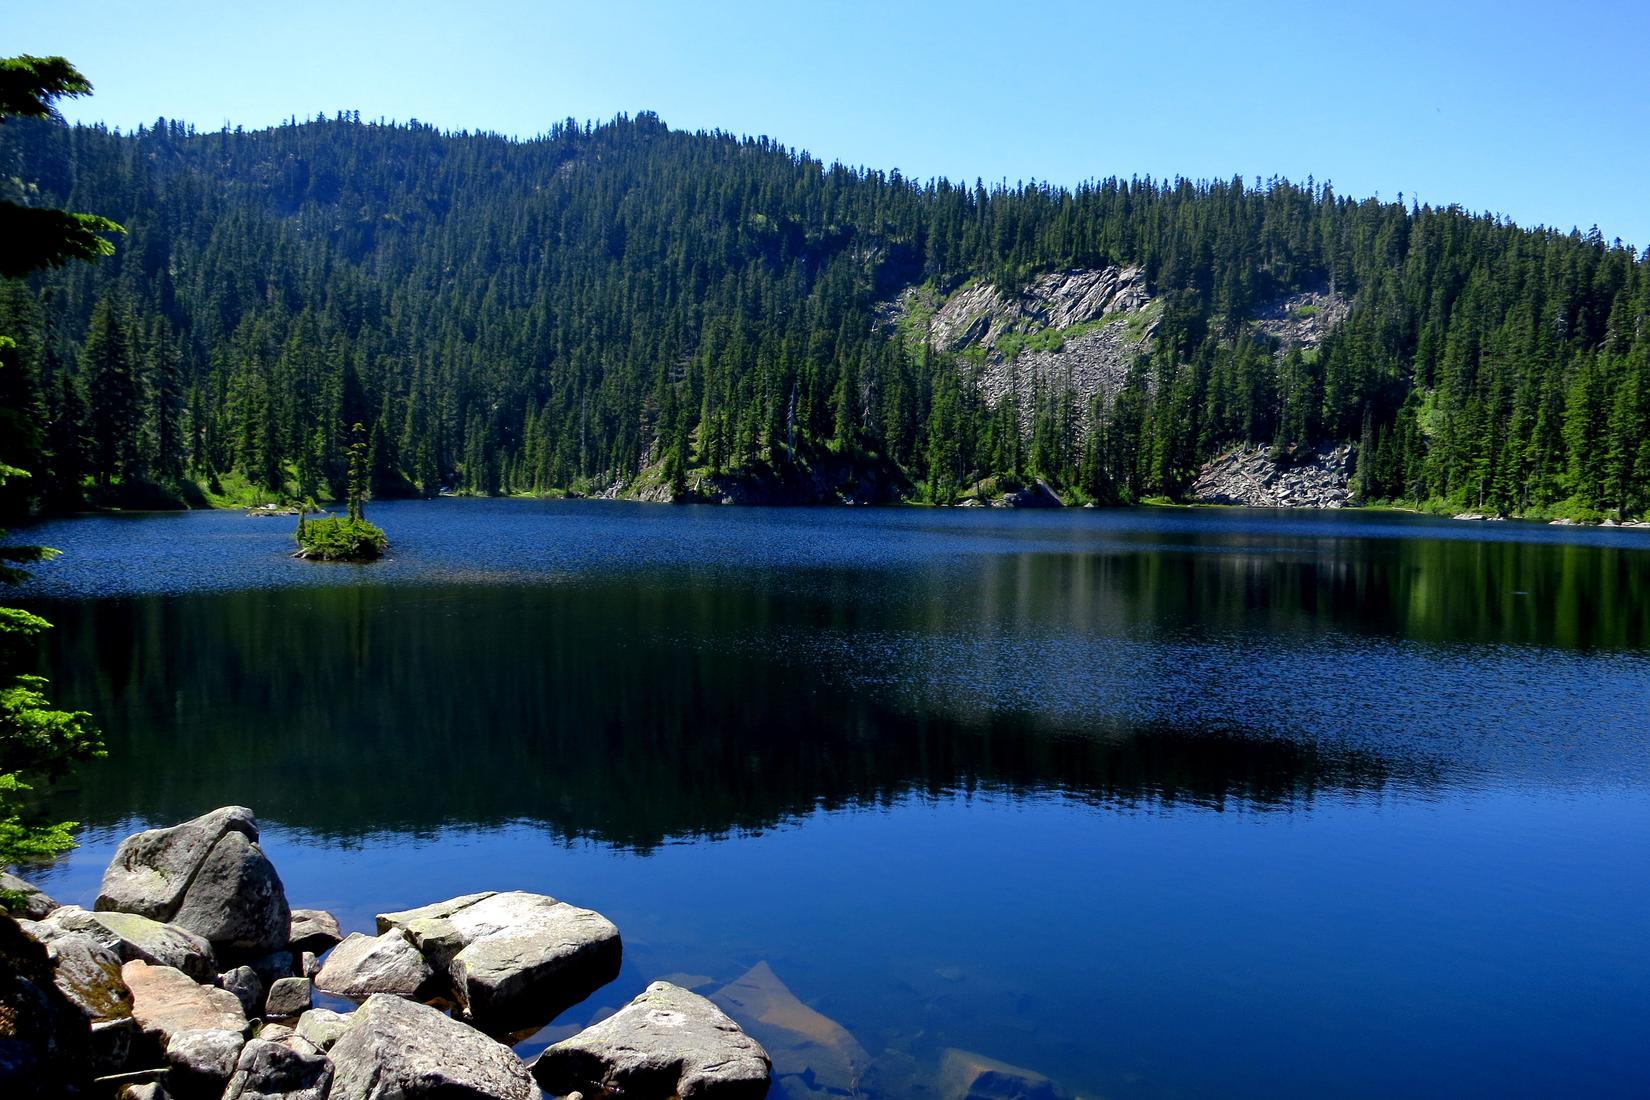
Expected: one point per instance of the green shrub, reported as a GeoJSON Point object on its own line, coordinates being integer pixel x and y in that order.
{"type": "Point", "coordinates": [343, 539]}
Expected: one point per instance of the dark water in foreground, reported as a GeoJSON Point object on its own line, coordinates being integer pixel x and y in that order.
{"type": "Point", "coordinates": [1159, 803]}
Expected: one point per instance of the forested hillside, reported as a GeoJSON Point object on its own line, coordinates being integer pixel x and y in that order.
{"type": "Point", "coordinates": [624, 301]}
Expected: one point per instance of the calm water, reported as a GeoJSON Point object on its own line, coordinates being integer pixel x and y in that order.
{"type": "Point", "coordinates": [1159, 803]}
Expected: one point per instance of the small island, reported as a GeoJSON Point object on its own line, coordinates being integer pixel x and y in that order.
{"type": "Point", "coordinates": [350, 538]}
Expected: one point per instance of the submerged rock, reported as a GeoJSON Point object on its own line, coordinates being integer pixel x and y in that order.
{"type": "Point", "coordinates": [364, 965]}
{"type": "Point", "coordinates": [515, 959]}
{"type": "Point", "coordinates": [803, 1043]}
{"type": "Point", "coordinates": [400, 1050]}
{"type": "Point", "coordinates": [166, 1001]}
{"type": "Point", "coordinates": [207, 875]}
{"type": "Point", "coordinates": [965, 1075]}
{"type": "Point", "coordinates": [667, 1042]}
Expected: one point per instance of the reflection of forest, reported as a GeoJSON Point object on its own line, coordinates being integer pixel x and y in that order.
{"type": "Point", "coordinates": [640, 711]}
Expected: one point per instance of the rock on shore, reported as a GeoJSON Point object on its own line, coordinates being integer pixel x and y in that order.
{"type": "Point", "coordinates": [208, 876]}
{"type": "Point", "coordinates": [514, 958]}
{"type": "Point", "coordinates": [400, 1050]}
{"type": "Point", "coordinates": [1252, 475]}
{"type": "Point", "coordinates": [665, 1043]}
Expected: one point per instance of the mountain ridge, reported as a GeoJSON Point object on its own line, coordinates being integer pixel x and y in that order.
{"type": "Point", "coordinates": [566, 313]}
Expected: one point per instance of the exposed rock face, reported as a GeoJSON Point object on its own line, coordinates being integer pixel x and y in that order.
{"type": "Point", "coordinates": [276, 1071]}
{"type": "Point", "coordinates": [1093, 361]}
{"type": "Point", "coordinates": [35, 903]}
{"type": "Point", "coordinates": [166, 1001]}
{"type": "Point", "coordinates": [364, 965]}
{"type": "Point", "coordinates": [965, 1075]}
{"type": "Point", "coordinates": [134, 937]}
{"type": "Point", "coordinates": [1249, 475]}
{"type": "Point", "coordinates": [667, 1042]}
{"type": "Point", "coordinates": [804, 1044]}
{"type": "Point", "coordinates": [983, 314]}
{"type": "Point", "coordinates": [1303, 320]}
{"type": "Point", "coordinates": [399, 1050]}
{"type": "Point", "coordinates": [207, 875]}
{"type": "Point", "coordinates": [515, 958]}
{"type": "Point", "coordinates": [202, 1062]}
{"type": "Point", "coordinates": [313, 930]}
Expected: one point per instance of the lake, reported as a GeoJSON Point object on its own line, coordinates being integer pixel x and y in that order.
{"type": "Point", "coordinates": [1157, 802]}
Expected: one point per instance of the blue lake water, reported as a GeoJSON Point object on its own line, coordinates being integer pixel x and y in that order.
{"type": "Point", "coordinates": [1160, 803]}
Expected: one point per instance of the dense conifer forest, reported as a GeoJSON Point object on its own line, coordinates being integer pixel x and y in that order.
{"type": "Point", "coordinates": [605, 302]}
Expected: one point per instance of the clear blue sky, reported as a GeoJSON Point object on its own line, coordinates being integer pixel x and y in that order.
{"type": "Point", "coordinates": [1540, 111]}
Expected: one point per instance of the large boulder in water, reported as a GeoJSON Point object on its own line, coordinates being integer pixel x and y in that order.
{"type": "Point", "coordinates": [400, 1050]}
{"type": "Point", "coordinates": [514, 959]}
{"type": "Point", "coordinates": [665, 1043]}
{"type": "Point", "coordinates": [207, 875]}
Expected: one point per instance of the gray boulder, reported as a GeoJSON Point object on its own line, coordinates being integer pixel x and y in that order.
{"type": "Point", "coordinates": [131, 936]}
{"type": "Point", "coordinates": [201, 1062]}
{"type": "Point", "coordinates": [288, 997]}
{"type": "Point", "coordinates": [364, 965]}
{"type": "Point", "coordinates": [667, 1042]}
{"type": "Point", "coordinates": [34, 904]}
{"type": "Point", "coordinates": [207, 875]}
{"type": "Point", "coordinates": [166, 1001]}
{"type": "Point", "coordinates": [87, 972]}
{"type": "Point", "coordinates": [387, 921]}
{"type": "Point", "coordinates": [400, 1050]}
{"type": "Point", "coordinates": [314, 930]}
{"type": "Point", "coordinates": [323, 1027]}
{"type": "Point", "coordinates": [515, 959]}
{"type": "Point", "coordinates": [247, 987]}
{"type": "Point", "coordinates": [279, 1071]}
{"type": "Point", "coordinates": [152, 870]}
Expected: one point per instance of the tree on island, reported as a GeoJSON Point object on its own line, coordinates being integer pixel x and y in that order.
{"type": "Point", "coordinates": [351, 538]}
{"type": "Point", "coordinates": [37, 741]}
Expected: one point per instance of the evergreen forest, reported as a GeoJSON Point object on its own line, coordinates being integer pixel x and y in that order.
{"type": "Point", "coordinates": [612, 303]}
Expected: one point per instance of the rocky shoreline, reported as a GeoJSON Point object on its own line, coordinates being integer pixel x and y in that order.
{"type": "Point", "coordinates": [192, 978]}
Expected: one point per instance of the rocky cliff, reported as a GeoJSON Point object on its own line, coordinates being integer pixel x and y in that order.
{"type": "Point", "coordinates": [1080, 329]}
